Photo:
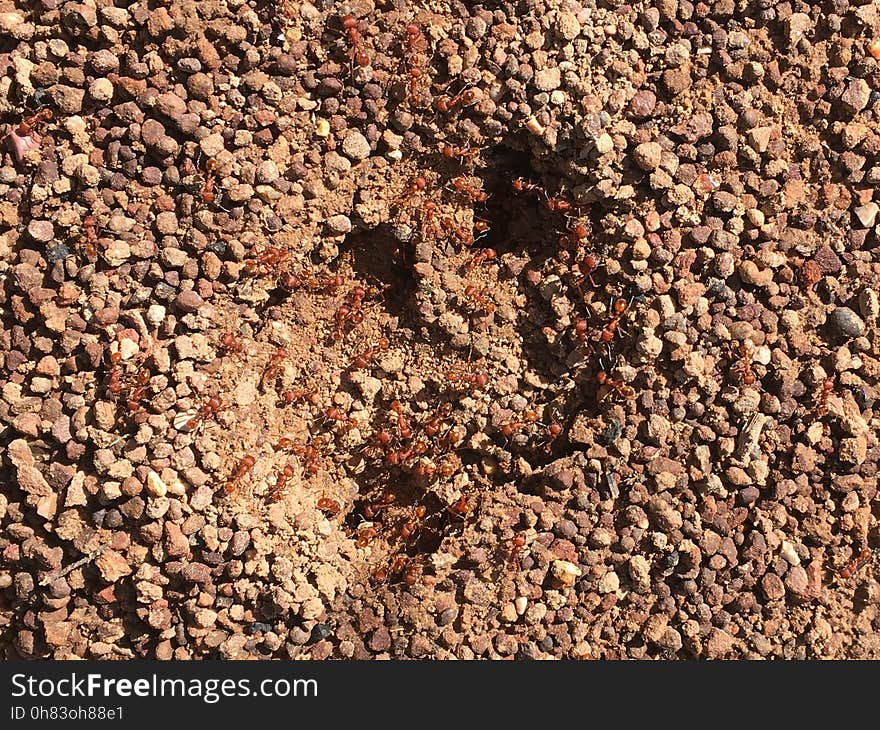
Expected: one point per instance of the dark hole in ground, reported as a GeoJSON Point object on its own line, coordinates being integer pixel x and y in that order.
{"type": "Point", "coordinates": [381, 260]}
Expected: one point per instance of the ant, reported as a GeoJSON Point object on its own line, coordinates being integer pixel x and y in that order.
{"type": "Point", "coordinates": [372, 511]}
{"type": "Point", "coordinates": [856, 564]}
{"type": "Point", "coordinates": [267, 260]}
{"type": "Point", "coordinates": [366, 532]}
{"type": "Point", "coordinates": [324, 285]}
{"type": "Point", "coordinates": [587, 265]}
{"type": "Point", "coordinates": [482, 256]}
{"type": "Point", "coordinates": [473, 380]}
{"type": "Point", "coordinates": [613, 386]}
{"type": "Point", "coordinates": [30, 124]}
{"type": "Point", "coordinates": [133, 401]}
{"type": "Point", "coordinates": [472, 192]}
{"type": "Point", "coordinates": [446, 104]}
{"type": "Point", "coordinates": [278, 490]}
{"type": "Point", "coordinates": [294, 395]}
{"type": "Point", "coordinates": [822, 399]}
{"type": "Point", "coordinates": [508, 430]}
{"type": "Point", "coordinates": [460, 508]}
{"type": "Point", "coordinates": [230, 343]}
{"type": "Point", "coordinates": [524, 186]}
{"type": "Point", "coordinates": [480, 298]}
{"type": "Point", "coordinates": [336, 415]}
{"type": "Point", "coordinates": [451, 152]}
{"type": "Point", "coordinates": [403, 427]}
{"type": "Point", "coordinates": [743, 367]}
{"type": "Point", "coordinates": [209, 410]}
{"type": "Point", "coordinates": [415, 45]}
{"type": "Point", "coordinates": [244, 466]}
{"type": "Point", "coordinates": [310, 455]}
{"type": "Point", "coordinates": [273, 369]}
{"type": "Point", "coordinates": [619, 307]}
{"type": "Point", "coordinates": [516, 550]}
{"type": "Point", "coordinates": [357, 53]}
{"type": "Point", "coordinates": [575, 234]}
{"type": "Point", "coordinates": [429, 224]}
{"type": "Point", "coordinates": [466, 237]}
{"type": "Point", "coordinates": [350, 313]}
{"type": "Point", "coordinates": [329, 506]}
{"type": "Point", "coordinates": [89, 238]}
{"type": "Point", "coordinates": [364, 359]}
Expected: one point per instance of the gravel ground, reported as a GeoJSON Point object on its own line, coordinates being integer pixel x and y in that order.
{"type": "Point", "coordinates": [513, 330]}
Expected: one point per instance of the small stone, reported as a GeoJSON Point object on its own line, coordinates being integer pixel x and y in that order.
{"type": "Point", "coordinates": [867, 213]}
{"type": "Point", "coordinates": [155, 315]}
{"type": "Point", "coordinates": [355, 146]}
{"type": "Point", "coordinates": [751, 273]}
{"type": "Point", "coordinates": [42, 231]}
{"type": "Point", "coordinates": [648, 155]}
{"type": "Point", "coordinates": [846, 322]}
{"type": "Point", "coordinates": [640, 573]}
{"type": "Point", "coordinates": [212, 145]}
{"type": "Point", "coordinates": [548, 79]}
{"type": "Point", "coordinates": [856, 96]}
{"type": "Point", "coordinates": [608, 583]}
{"type": "Point", "coordinates": [189, 301]}
{"type": "Point", "coordinates": [797, 582]}
{"type": "Point", "coordinates": [155, 485]}
{"type": "Point", "coordinates": [565, 572]}
{"type": "Point", "coordinates": [773, 587]}
{"type": "Point", "coordinates": [604, 144]}
{"type": "Point", "coordinates": [112, 566]}
{"type": "Point", "coordinates": [568, 26]}
{"type": "Point", "coordinates": [339, 224]}
{"type": "Point", "coordinates": [642, 105]}
{"type": "Point", "coordinates": [797, 26]}
{"type": "Point", "coordinates": [869, 305]}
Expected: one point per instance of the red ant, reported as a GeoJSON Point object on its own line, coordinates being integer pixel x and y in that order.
{"type": "Point", "coordinates": [417, 185]}
{"type": "Point", "coordinates": [372, 511]}
{"type": "Point", "coordinates": [619, 308]}
{"type": "Point", "coordinates": [30, 124]}
{"type": "Point", "coordinates": [403, 427]}
{"type": "Point", "coordinates": [310, 455]}
{"type": "Point", "coordinates": [230, 343]}
{"type": "Point", "coordinates": [481, 256]}
{"type": "Point", "coordinates": [451, 152]}
{"type": "Point", "coordinates": [575, 234]}
{"type": "Point", "coordinates": [743, 367]}
{"type": "Point", "coordinates": [357, 53]}
{"type": "Point", "coordinates": [89, 238]}
{"type": "Point", "coordinates": [133, 402]}
{"type": "Point", "coordinates": [480, 298]}
{"type": "Point", "coordinates": [366, 533]}
{"type": "Point", "coordinates": [209, 410]}
{"type": "Point", "coordinates": [364, 359]}
{"type": "Point", "coordinates": [446, 105]}
{"type": "Point", "coordinates": [336, 415]}
{"type": "Point", "coordinates": [822, 400]}
{"type": "Point", "coordinates": [330, 506]}
{"type": "Point", "coordinates": [856, 564]}
{"type": "Point", "coordinates": [509, 429]}
{"type": "Point", "coordinates": [524, 186]}
{"type": "Point", "coordinates": [473, 193]}
{"type": "Point", "coordinates": [244, 466]}
{"type": "Point", "coordinates": [516, 550]}
{"type": "Point", "coordinates": [267, 260]}
{"type": "Point", "coordinates": [473, 380]}
{"type": "Point", "coordinates": [466, 237]}
{"type": "Point", "coordinates": [326, 284]}
{"type": "Point", "coordinates": [278, 490]}
{"type": "Point", "coordinates": [415, 44]}
{"type": "Point", "coordinates": [294, 395]}
{"type": "Point", "coordinates": [460, 508]}
{"type": "Point", "coordinates": [613, 386]}
{"type": "Point", "coordinates": [273, 369]}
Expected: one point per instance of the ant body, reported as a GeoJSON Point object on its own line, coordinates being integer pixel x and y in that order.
{"type": "Point", "coordinates": [357, 51]}
{"type": "Point", "coordinates": [244, 466]}
{"type": "Point", "coordinates": [207, 411]}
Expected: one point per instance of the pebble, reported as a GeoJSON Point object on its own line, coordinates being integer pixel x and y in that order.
{"type": "Point", "coordinates": [41, 231]}
{"type": "Point", "coordinates": [846, 322]}
{"type": "Point", "coordinates": [856, 96]}
{"type": "Point", "coordinates": [648, 155]}
{"type": "Point", "coordinates": [355, 146]}
{"type": "Point", "coordinates": [867, 214]}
